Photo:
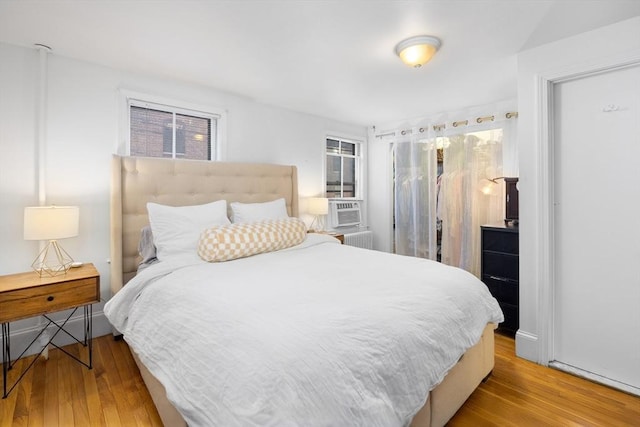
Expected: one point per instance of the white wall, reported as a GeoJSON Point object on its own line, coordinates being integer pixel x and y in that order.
{"type": "Point", "coordinates": [82, 133]}
{"type": "Point", "coordinates": [564, 57]}
{"type": "Point", "coordinates": [380, 188]}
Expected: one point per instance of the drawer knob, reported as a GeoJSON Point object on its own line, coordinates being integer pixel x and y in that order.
{"type": "Point", "coordinates": [50, 298]}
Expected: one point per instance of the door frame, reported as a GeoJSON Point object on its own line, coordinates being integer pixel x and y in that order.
{"type": "Point", "coordinates": [544, 130]}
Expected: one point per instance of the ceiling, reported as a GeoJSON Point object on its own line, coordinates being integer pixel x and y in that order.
{"type": "Point", "coordinates": [329, 58]}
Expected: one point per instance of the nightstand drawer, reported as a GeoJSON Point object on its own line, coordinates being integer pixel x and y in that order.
{"type": "Point", "coordinates": [28, 302]}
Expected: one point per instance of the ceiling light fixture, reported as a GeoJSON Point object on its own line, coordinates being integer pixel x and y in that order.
{"type": "Point", "coordinates": [417, 51]}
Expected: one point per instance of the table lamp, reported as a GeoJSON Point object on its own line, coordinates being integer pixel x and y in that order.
{"type": "Point", "coordinates": [51, 223]}
{"type": "Point", "coordinates": [319, 207]}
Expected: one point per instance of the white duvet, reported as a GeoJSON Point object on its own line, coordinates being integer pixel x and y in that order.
{"type": "Point", "coordinates": [320, 334]}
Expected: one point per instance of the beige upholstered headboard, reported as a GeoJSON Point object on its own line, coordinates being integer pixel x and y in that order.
{"type": "Point", "coordinates": [138, 180]}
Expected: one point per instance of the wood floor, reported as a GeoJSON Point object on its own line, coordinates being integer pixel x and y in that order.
{"type": "Point", "coordinates": [522, 393]}
{"type": "Point", "coordinates": [60, 392]}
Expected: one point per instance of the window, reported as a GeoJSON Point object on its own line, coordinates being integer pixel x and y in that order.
{"type": "Point", "coordinates": [158, 130]}
{"type": "Point", "coordinates": [343, 168]}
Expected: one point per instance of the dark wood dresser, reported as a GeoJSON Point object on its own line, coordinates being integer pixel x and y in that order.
{"type": "Point", "coordinates": [500, 270]}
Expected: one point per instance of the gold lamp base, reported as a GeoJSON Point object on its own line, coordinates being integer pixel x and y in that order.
{"type": "Point", "coordinates": [320, 224]}
{"type": "Point", "coordinates": [52, 260]}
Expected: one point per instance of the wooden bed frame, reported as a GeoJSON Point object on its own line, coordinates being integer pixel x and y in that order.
{"type": "Point", "coordinates": [138, 180]}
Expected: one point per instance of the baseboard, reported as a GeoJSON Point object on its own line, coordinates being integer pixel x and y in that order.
{"type": "Point", "coordinates": [627, 388]}
{"type": "Point", "coordinates": [22, 337]}
{"type": "Point", "coordinates": [527, 346]}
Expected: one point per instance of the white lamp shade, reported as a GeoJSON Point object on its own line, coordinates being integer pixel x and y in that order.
{"type": "Point", "coordinates": [51, 222]}
{"type": "Point", "coordinates": [318, 206]}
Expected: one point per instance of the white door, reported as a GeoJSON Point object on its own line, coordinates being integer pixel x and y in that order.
{"type": "Point", "coordinates": [596, 159]}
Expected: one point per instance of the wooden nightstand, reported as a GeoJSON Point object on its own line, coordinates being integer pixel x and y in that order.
{"type": "Point", "coordinates": [338, 236]}
{"type": "Point", "coordinates": [26, 295]}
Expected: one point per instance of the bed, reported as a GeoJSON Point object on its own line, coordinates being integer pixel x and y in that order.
{"type": "Point", "coordinates": [210, 387]}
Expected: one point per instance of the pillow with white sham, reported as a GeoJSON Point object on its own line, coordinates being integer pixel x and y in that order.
{"type": "Point", "coordinates": [226, 243]}
{"type": "Point", "coordinates": [146, 248]}
{"type": "Point", "coordinates": [176, 229]}
{"type": "Point", "coordinates": [252, 212]}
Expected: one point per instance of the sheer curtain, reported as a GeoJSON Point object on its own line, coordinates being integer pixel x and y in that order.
{"type": "Point", "coordinates": [478, 147]}
{"type": "Point", "coordinates": [415, 196]}
{"type": "Point", "coordinates": [469, 198]}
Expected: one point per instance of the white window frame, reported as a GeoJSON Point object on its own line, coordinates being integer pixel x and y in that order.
{"type": "Point", "coordinates": [136, 99]}
{"type": "Point", "coordinates": [359, 163]}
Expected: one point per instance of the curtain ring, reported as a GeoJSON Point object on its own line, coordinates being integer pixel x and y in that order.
{"type": "Point", "coordinates": [482, 119]}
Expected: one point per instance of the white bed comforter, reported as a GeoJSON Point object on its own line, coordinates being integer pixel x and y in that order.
{"type": "Point", "coordinates": [317, 335]}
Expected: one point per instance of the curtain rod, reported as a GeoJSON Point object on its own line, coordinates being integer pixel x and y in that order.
{"type": "Point", "coordinates": [509, 115]}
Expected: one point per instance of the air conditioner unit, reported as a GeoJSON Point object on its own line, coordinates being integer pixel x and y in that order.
{"type": "Point", "coordinates": [344, 213]}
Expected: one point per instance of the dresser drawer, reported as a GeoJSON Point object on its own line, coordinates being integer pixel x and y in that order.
{"type": "Point", "coordinates": [500, 241]}
{"type": "Point", "coordinates": [511, 318]}
{"type": "Point", "coordinates": [500, 265]}
{"type": "Point", "coordinates": [503, 290]}
{"type": "Point", "coordinates": [28, 302]}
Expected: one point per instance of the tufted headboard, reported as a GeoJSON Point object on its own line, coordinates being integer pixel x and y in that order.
{"type": "Point", "coordinates": [138, 180]}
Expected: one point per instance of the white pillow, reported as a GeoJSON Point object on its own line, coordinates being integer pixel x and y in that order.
{"type": "Point", "coordinates": [252, 212]}
{"type": "Point", "coordinates": [176, 230]}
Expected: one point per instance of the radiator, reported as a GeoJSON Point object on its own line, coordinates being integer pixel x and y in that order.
{"type": "Point", "coordinates": [361, 239]}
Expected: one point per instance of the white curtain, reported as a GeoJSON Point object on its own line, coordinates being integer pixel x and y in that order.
{"type": "Point", "coordinates": [469, 197]}
{"type": "Point", "coordinates": [478, 147]}
{"type": "Point", "coordinates": [415, 196]}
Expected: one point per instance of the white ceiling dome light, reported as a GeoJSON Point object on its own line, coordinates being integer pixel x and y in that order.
{"type": "Point", "coordinates": [417, 51]}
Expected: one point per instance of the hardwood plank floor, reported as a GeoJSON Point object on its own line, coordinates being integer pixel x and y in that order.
{"type": "Point", "coordinates": [522, 393]}
{"type": "Point", "coordinates": [60, 392]}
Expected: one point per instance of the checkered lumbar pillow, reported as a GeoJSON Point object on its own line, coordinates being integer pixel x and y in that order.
{"type": "Point", "coordinates": [224, 243]}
